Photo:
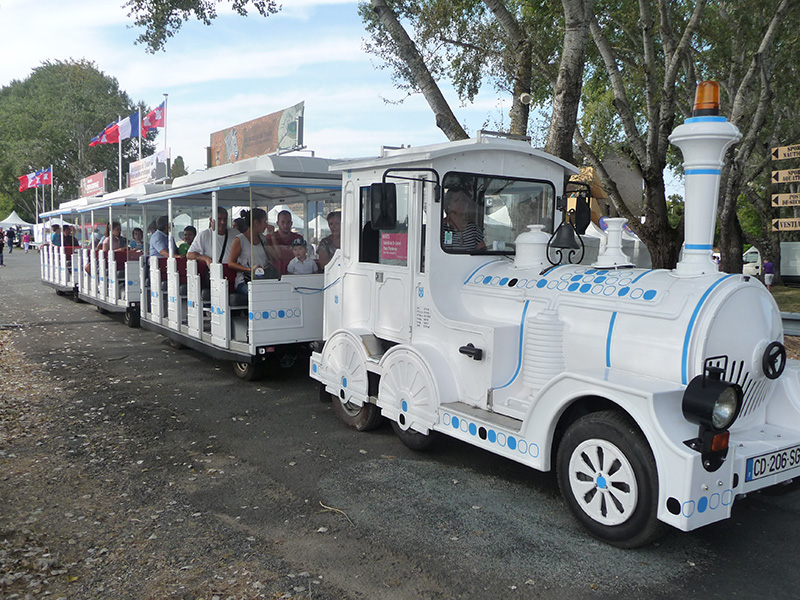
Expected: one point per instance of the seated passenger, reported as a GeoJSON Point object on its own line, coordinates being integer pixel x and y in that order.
{"type": "Point", "coordinates": [301, 264]}
{"type": "Point", "coordinates": [161, 241]}
{"type": "Point", "coordinates": [113, 239]}
{"type": "Point", "coordinates": [68, 238]}
{"type": "Point", "coordinates": [459, 231]}
{"type": "Point", "coordinates": [189, 233]}
{"type": "Point", "coordinates": [280, 241]}
{"type": "Point", "coordinates": [55, 237]}
{"type": "Point", "coordinates": [249, 256]}
{"type": "Point", "coordinates": [137, 243]}
{"type": "Point", "coordinates": [202, 246]}
{"type": "Point", "coordinates": [329, 245]}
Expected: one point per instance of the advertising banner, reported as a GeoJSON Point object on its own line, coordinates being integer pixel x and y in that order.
{"type": "Point", "coordinates": [280, 130]}
{"type": "Point", "coordinates": [94, 185]}
{"type": "Point", "coordinates": [147, 170]}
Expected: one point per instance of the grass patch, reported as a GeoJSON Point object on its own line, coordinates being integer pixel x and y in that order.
{"type": "Point", "coordinates": [788, 298]}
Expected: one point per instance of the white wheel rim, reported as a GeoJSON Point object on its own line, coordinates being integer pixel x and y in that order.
{"type": "Point", "coordinates": [603, 482]}
{"type": "Point", "coordinates": [406, 386]}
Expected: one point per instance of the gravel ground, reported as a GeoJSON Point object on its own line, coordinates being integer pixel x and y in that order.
{"type": "Point", "coordinates": [83, 517]}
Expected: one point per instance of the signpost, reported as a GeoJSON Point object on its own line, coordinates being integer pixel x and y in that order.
{"type": "Point", "coordinates": [785, 224]}
{"type": "Point", "coordinates": [782, 152]}
{"type": "Point", "coordinates": [787, 176]}
{"type": "Point", "coordinates": [779, 200]}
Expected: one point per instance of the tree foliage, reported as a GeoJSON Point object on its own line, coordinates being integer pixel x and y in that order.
{"type": "Point", "coordinates": [162, 19]}
{"type": "Point", "coordinates": [49, 118]}
{"type": "Point", "coordinates": [178, 168]}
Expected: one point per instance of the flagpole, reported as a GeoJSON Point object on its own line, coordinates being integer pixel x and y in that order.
{"type": "Point", "coordinates": [36, 203]}
{"type": "Point", "coordinates": [119, 141]}
{"type": "Point", "coordinates": [51, 188]}
{"type": "Point", "coordinates": [140, 132]}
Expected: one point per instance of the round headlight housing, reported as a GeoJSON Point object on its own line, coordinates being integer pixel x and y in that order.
{"type": "Point", "coordinates": [711, 402]}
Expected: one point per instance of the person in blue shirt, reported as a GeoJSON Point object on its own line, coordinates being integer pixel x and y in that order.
{"type": "Point", "coordinates": [161, 240]}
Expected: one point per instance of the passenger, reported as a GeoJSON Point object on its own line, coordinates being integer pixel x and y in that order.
{"type": "Point", "coordinates": [161, 241]}
{"type": "Point", "coordinates": [241, 224]}
{"type": "Point", "coordinates": [280, 241]}
{"type": "Point", "coordinates": [249, 250]}
{"type": "Point", "coordinates": [459, 231]}
{"type": "Point", "coordinates": [55, 236]}
{"type": "Point", "coordinates": [301, 264]}
{"type": "Point", "coordinates": [189, 234]}
{"type": "Point", "coordinates": [67, 238]}
{"type": "Point", "coordinates": [202, 246]}
{"type": "Point", "coordinates": [113, 239]}
{"type": "Point", "coordinates": [137, 243]}
{"type": "Point", "coordinates": [329, 245]}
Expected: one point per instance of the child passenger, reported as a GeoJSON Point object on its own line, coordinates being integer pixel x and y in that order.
{"type": "Point", "coordinates": [301, 264]}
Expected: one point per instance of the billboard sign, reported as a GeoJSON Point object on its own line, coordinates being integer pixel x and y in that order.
{"type": "Point", "coordinates": [282, 130]}
{"type": "Point", "coordinates": [147, 170]}
{"type": "Point", "coordinates": [94, 185]}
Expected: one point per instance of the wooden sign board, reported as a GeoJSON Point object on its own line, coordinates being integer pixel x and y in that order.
{"type": "Point", "coordinates": [785, 200]}
{"type": "Point", "coordinates": [785, 224]}
{"type": "Point", "coordinates": [782, 152]}
{"type": "Point", "coordinates": [787, 176]}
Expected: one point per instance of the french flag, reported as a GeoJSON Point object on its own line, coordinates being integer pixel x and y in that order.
{"type": "Point", "coordinates": [121, 130]}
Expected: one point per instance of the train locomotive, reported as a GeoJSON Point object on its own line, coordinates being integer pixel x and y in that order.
{"type": "Point", "coordinates": [657, 396]}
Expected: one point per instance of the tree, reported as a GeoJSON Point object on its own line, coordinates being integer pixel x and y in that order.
{"type": "Point", "coordinates": [178, 168]}
{"type": "Point", "coordinates": [50, 117]}
{"type": "Point", "coordinates": [162, 19]}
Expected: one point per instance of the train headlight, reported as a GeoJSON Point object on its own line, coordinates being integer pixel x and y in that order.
{"type": "Point", "coordinates": [711, 402]}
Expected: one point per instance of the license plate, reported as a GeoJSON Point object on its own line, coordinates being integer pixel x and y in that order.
{"type": "Point", "coordinates": [774, 462]}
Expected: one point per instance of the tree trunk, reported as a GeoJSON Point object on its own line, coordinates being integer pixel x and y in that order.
{"type": "Point", "coordinates": [567, 92]}
{"type": "Point", "coordinates": [422, 78]}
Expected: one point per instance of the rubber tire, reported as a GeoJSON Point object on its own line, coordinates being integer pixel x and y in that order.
{"type": "Point", "coordinates": [613, 427]}
{"type": "Point", "coordinates": [131, 317]}
{"type": "Point", "coordinates": [248, 371]}
{"type": "Point", "coordinates": [414, 439]}
{"type": "Point", "coordinates": [365, 418]}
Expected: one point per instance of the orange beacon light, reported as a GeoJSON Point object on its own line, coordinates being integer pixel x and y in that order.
{"type": "Point", "coordinates": [706, 99]}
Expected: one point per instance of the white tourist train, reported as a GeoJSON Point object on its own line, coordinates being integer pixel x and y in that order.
{"type": "Point", "coordinates": [455, 306]}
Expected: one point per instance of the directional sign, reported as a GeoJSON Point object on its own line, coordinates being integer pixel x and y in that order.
{"type": "Point", "coordinates": [782, 152]}
{"type": "Point", "coordinates": [785, 199]}
{"type": "Point", "coordinates": [787, 176]}
{"type": "Point", "coordinates": [785, 224]}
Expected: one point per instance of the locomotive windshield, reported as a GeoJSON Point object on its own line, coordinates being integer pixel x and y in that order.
{"type": "Point", "coordinates": [485, 214]}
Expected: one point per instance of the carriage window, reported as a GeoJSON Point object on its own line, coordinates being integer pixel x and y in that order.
{"type": "Point", "coordinates": [486, 214]}
{"type": "Point", "coordinates": [385, 246]}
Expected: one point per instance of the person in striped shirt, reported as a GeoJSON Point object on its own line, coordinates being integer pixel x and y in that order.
{"type": "Point", "coordinates": [459, 232]}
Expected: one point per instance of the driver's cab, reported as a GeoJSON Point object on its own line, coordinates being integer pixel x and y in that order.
{"type": "Point", "coordinates": [417, 224]}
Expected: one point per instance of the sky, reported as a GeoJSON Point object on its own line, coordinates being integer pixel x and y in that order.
{"type": "Point", "coordinates": [238, 69]}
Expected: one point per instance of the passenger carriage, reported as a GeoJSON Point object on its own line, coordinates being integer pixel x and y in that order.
{"type": "Point", "coordinates": [657, 396]}
{"type": "Point", "coordinates": [195, 305]}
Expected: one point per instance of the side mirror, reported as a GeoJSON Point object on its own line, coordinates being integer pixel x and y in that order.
{"type": "Point", "coordinates": [383, 205]}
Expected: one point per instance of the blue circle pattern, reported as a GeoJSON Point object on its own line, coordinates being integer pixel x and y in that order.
{"type": "Point", "coordinates": [704, 503]}
{"type": "Point", "coordinates": [492, 436]}
{"type": "Point", "coordinates": [283, 313]}
{"type": "Point", "coordinates": [583, 280]}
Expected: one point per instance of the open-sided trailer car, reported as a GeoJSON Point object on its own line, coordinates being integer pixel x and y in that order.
{"type": "Point", "coordinates": [194, 304]}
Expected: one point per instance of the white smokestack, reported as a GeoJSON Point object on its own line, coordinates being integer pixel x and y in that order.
{"type": "Point", "coordinates": [703, 140]}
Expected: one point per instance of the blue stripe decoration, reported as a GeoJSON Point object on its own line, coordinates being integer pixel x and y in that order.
{"type": "Point", "coordinates": [519, 349]}
{"type": "Point", "coordinates": [698, 246]}
{"type": "Point", "coordinates": [690, 328]}
{"type": "Point", "coordinates": [703, 171]}
{"type": "Point", "coordinates": [641, 275]}
{"type": "Point", "coordinates": [608, 338]}
{"type": "Point", "coordinates": [707, 119]}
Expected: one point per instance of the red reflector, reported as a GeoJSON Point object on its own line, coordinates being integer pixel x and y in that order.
{"type": "Point", "coordinates": [720, 441]}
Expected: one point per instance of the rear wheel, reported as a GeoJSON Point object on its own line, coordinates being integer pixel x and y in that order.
{"type": "Point", "coordinates": [608, 477]}
{"type": "Point", "coordinates": [362, 418]}
{"type": "Point", "coordinates": [131, 317]}
{"type": "Point", "coordinates": [414, 439]}
{"type": "Point", "coordinates": [248, 371]}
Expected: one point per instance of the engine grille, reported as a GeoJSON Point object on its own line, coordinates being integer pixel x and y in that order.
{"type": "Point", "coordinates": [755, 389]}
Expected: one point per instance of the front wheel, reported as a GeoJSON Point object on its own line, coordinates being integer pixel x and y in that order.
{"type": "Point", "coordinates": [361, 418]}
{"type": "Point", "coordinates": [414, 439]}
{"type": "Point", "coordinates": [608, 477]}
{"type": "Point", "coordinates": [131, 317]}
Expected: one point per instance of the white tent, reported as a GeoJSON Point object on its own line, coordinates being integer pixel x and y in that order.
{"type": "Point", "coordinates": [13, 220]}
